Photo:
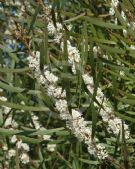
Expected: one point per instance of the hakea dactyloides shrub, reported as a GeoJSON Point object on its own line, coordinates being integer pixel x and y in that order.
{"type": "Point", "coordinates": [73, 118]}
{"type": "Point", "coordinates": [74, 121]}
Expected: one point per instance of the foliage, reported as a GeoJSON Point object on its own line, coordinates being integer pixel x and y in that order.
{"type": "Point", "coordinates": [101, 33]}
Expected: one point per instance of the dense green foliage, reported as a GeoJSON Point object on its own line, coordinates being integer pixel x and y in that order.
{"type": "Point", "coordinates": [106, 45]}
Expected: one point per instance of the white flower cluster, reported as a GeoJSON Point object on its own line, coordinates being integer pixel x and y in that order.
{"type": "Point", "coordinates": [5, 110]}
{"type": "Point", "coordinates": [38, 126]}
{"type": "Point", "coordinates": [114, 124]}
{"type": "Point", "coordinates": [9, 121]}
{"type": "Point", "coordinates": [51, 147]}
{"type": "Point", "coordinates": [131, 24]}
{"type": "Point", "coordinates": [96, 50]}
{"type": "Point", "coordinates": [11, 153]}
{"type": "Point", "coordinates": [56, 92]}
{"type": "Point", "coordinates": [34, 62]}
{"type": "Point", "coordinates": [81, 130]}
{"type": "Point", "coordinates": [114, 4]}
{"type": "Point", "coordinates": [49, 80]}
{"type": "Point", "coordinates": [11, 124]}
{"type": "Point", "coordinates": [50, 77]}
{"type": "Point", "coordinates": [62, 108]}
{"type": "Point", "coordinates": [23, 149]}
{"type": "Point", "coordinates": [51, 28]}
{"type": "Point", "coordinates": [55, 31]}
{"type": "Point", "coordinates": [24, 157]}
{"type": "Point", "coordinates": [74, 122]}
{"type": "Point", "coordinates": [34, 65]}
{"type": "Point", "coordinates": [123, 15]}
{"type": "Point", "coordinates": [73, 52]}
{"type": "Point", "coordinates": [73, 56]}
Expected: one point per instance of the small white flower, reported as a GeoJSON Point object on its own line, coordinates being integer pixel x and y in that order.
{"type": "Point", "coordinates": [11, 153]}
{"type": "Point", "coordinates": [125, 33]}
{"type": "Point", "coordinates": [35, 118]}
{"type": "Point", "coordinates": [59, 26]}
{"type": "Point", "coordinates": [34, 62]}
{"type": "Point", "coordinates": [4, 147]}
{"type": "Point", "coordinates": [25, 147]}
{"type": "Point", "coordinates": [115, 3]}
{"type": "Point", "coordinates": [50, 77]}
{"type": "Point", "coordinates": [132, 47]}
{"type": "Point", "coordinates": [112, 11]}
{"type": "Point", "coordinates": [37, 54]}
{"type": "Point", "coordinates": [61, 105]}
{"type": "Point", "coordinates": [96, 50]}
{"type": "Point", "coordinates": [56, 91]}
{"type": "Point", "coordinates": [6, 110]}
{"type": "Point", "coordinates": [45, 137]}
{"type": "Point", "coordinates": [132, 24]}
{"type": "Point", "coordinates": [13, 139]}
{"type": "Point", "coordinates": [87, 79]}
{"type": "Point", "coordinates": [24, 158]}
{"type": "Point", "coordinates": [41, 79]}
{"type": "Point", "coordinates": [2, 98]}
{"type": "Point", "coordinates": [73, 55]}
{"type": "Point", "coordinates": [51, 147]}
{"type": "Point", "coordinates": [1, 90]}
{"type": "Point", "coordinates": [75, 114]}
{"type": "Point", "coordinates": [123, 15]}
{"type": "Point", "coordinates": [52, 30]}
{"type": "Point", "coordinates": [105, 56]}
{"type": "Point", "coordinates": [14, 124]}
{"type": "Point", "coordinates": [36, 122]}
{"type": "Point", "coordinates": [19, 144]}
{"type": "Point", "coordinates": [8, 121]}
{"type": "Point", "coordinates": [22, 102]}
{"type": "Point", "coordinates": [122, 73]}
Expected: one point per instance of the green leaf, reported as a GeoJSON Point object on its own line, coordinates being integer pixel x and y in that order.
{"type": "Point", "coordinates": [101, 23]}
{"type": "Point", "coordinates": [34, 19]}
{"type": "Point", "coordinates": [89, 161]}
{"type": "Point", "coordinates": [124, 117]}
{"type": "Point", "coordinates": [113, 49]}
{"type": "Point", "coordinates": [9, 70]}
{"type": "Point", "coordinates": [44, 57]}
{"type": "Point", "coordinates": [47, 132]}
{"type": "Point", "coordinates": [18, 89]}
{"type": "Point", "coordinates": [130, 112]}
{"type": "Point", "coordinates": [127, 101]}
{"type": "Point", "coordinates": [22, 107]}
